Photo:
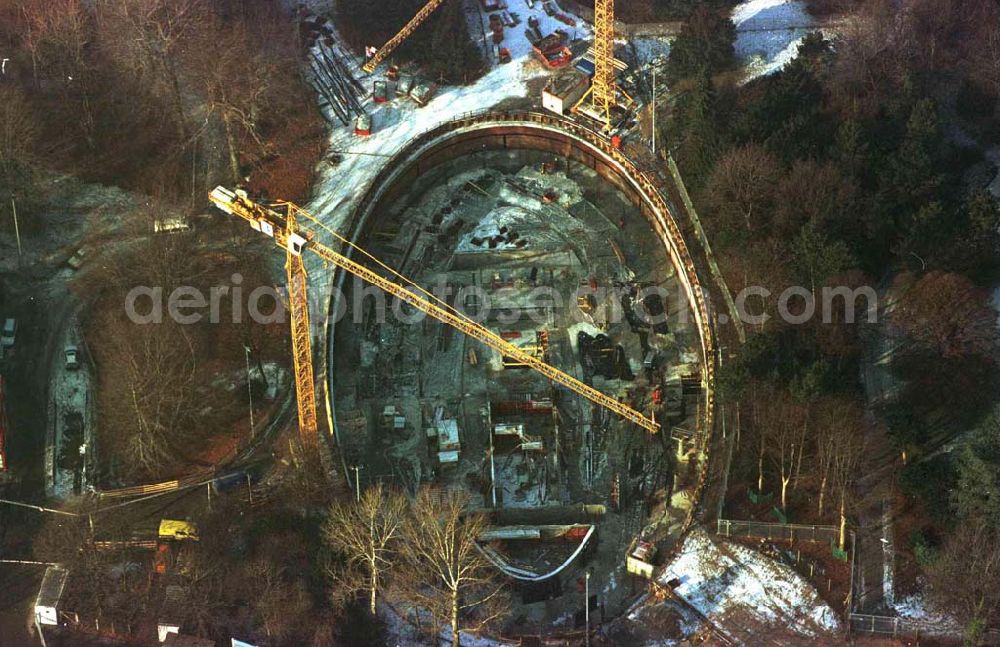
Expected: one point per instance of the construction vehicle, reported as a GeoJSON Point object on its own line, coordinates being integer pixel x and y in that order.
{"type": "Point", "coordinates": [177, 530]}
{"type": "Point", "coordinates": [552, 50]}
{"type": "Point", "coordinates": [381, 91]}
{"type": "Point", "coordinates": [363, 125]}
{"type": "Point", "coordinates": [280, 221]}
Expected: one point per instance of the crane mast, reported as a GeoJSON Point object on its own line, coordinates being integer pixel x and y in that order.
{"type": "Point", "coordinates": [603, 92]}
{"type": "Point", "coordinates": [278, 220]}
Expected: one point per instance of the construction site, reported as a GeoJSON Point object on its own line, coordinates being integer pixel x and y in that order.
{"type": "Point", "coordinates": [498, 289]}
{"type": "Point", "coordinates": [545, 254]}
{"type": "Point", "coordinates": [515, 316]}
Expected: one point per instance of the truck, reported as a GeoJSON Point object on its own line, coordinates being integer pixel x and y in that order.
{"type": "Point", "coordinates": [552, 50]}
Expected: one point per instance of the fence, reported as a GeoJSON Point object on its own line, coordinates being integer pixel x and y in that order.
{"type": "Point", "coordinates": [777, 531]}
{"type": "Point", "coordinates": [909, 628]}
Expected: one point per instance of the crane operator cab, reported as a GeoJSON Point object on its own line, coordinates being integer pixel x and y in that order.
{"type": "Point", "coordinates": [261, 218]}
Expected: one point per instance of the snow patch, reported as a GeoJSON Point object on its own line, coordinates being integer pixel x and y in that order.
{"type": "Point", "coordinates": [734, 580]}
{"type": "Point", "coordinates": [916, 607]}
{"type": "Point", "coordinates": [768, 33]}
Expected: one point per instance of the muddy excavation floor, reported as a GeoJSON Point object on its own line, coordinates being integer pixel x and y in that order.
{"type": "Point", "coordinates": [556, 261]}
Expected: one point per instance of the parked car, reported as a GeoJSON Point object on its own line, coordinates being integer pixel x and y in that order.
{"type": "Point", "coordinates": [76, 260]}
{"type": "Point", "coordinates": [72, 358]}
{"type": "Point", "coordinates": [7, 335]}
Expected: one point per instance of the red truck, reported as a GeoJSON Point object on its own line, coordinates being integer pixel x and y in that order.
{"type": "Point", "coordinates": [552, 50]}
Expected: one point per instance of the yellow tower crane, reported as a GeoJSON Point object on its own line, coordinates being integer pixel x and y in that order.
{"type": "Point", "coordinates": [394, 42]}
{"type": "Point", "coordinates": [603, 92]}
{"type": "Point", "coordinates": [279, 221]}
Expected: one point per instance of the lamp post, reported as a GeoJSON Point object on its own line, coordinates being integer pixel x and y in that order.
{"type": "Point", "coordinates": [357, 483]}
{"type": "Point", "coordinates": [17, 230]}
{"type": "Point", "coordinates": [246, 352]}
{"type": "Point", "coordinates": [586, 606]}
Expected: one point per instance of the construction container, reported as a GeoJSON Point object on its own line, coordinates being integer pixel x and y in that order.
{"type": "Point", "coordinates": [563, 91]}
{"type": "Point", "coordinates": [405, 85]}
{"type": "Point", "coordinates": [363, 125]}
{"type": "Point", "coordinates": [639, 561]}
{"type": "Point", "coordinates": [563, 18]}
{"type": "Point", "coordinates": [552, 50]}
{"type": "Point", "coordinates": [381, 92]}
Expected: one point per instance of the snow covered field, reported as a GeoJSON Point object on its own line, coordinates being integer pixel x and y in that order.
{"type": "Point", "coordinates": [742, 591]}
{"type": "Point", "coordinates": [768, 33]}
{"type": "Point", "coordinates": [915, 607]}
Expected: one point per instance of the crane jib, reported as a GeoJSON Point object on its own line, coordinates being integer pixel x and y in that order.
{"type": "Point", "coordinates": [271, 223]}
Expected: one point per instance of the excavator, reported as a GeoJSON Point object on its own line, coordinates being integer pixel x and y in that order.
{"type": "Point", "coordinates": [280, 221]}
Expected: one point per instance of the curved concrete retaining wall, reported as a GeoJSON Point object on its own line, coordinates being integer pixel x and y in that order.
{"type": "Point", "coordinates": [545, 132]}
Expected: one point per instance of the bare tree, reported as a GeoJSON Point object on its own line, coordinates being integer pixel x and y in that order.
{"type": "Point", "coordinates": [58, 36]}
{"type": "Point", "coordinates": [965, 574]}
{"type": "Point", "coordinates": [847, 451]}
{"type": "Point", "coordinates": [280, 604]}
{"type": "Point", "coordinates": [947, 314]}
{"type": "Point", "coordinates": [782, 427]}
{"type": "Point", "coordinates": [18, 129]}
{"type": "Point", "coordinates": [446, 573]}
{"type": "Point", "coordinates": [740, 190]}
{"type": "Point", "coordinates": [149, 400]}
{"type": "Point", "coordinates": [245, 70]}
{"type": "Point", "coordinates": [366, 533]}
{"type": "Point", "coordinates": [148, 36]}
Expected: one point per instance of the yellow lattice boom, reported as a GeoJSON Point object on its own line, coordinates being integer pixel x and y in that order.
{"type": "Point", "coordinates": [278, 221]}
{"type": "Point", "coordinates": [603, 92]}
{"type": "Point", "coordinates": [604, 86]}
{"type": "Point", "coordinates": [403, 34]}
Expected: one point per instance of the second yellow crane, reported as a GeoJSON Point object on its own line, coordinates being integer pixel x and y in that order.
{"type": "Point", "coordinates": [383, 52]}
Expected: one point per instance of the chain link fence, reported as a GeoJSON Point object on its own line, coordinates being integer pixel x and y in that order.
{"type": "Point", "coordinates": [777, 531]}
{"type": "Point", "coordinates": [909, 628]}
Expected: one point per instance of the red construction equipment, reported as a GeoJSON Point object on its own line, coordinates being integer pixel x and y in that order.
{"type": "Point", "coordinates": [552, 50]}
{"type": "Point", "coordinates": [363, 125]}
